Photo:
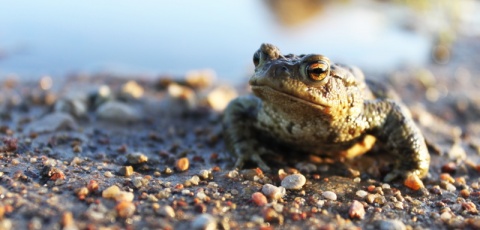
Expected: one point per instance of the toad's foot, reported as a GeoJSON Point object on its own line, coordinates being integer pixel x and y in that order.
{"type": "Point", "coordinates": [240, 135]}
{"type": "Point", "coordinates": [245, 153]}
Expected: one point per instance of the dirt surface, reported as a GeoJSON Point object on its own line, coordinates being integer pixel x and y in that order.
{"type": "Point", "coordinates": [104, 152]}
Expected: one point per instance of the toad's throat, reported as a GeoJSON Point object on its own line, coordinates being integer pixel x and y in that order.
{"type": "Point", "coordinates": [267, 90]}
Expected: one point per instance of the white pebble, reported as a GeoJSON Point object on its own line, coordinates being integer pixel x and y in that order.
{"type": "Point", "coordinates": [204, 174]}
{"type": "Point", "coordinates": [52, 122]}
{"type": "Point", "coordinates": [361, 193]}
{"type": "Point", "coordinates": [273, 191]}
{"type": "Point", "coordinates": [320, 203]}
{"type": "Point", "coordinates": [108, 174]}
{"type": "Point", "coordinates": [118, 112]}
{"type": "Point", "coordinates": [167, 211]}
{"type": "Point", "coordinates": [195, 180]}
{"type": "Point", "coordinates": [446, 216]}
{"type": "Point", "coordinates": [450, 187]}
{"type": "Point", "coordinates": [205, 222]}
{"type": "Point", "coordinates": [294, 181]}
{"type": "Point", "coordinates": [232, 174]}
{"type": "Point", "coordinates": [329, 195]}
{"type": "Point", "coordinates": [201, 195]}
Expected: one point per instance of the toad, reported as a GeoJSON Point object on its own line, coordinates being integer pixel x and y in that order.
{"type": "Point", "coordinates": [314, 106]}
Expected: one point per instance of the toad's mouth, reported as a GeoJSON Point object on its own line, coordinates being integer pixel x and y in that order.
{"type": "Point", "coordinates": [270, 94]}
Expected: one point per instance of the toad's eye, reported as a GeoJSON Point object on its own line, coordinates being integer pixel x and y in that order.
{"type": "Point", "coordinates": [318, 71]}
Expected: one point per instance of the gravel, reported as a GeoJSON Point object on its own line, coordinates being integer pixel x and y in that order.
{"type": "Point", "coordinates": [64, 171]}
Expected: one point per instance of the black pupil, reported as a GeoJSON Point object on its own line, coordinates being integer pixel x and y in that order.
{"type": "Point", "coordinates": [317, 71]}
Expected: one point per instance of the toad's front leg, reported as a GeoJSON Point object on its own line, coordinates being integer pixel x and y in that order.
{"type": "Point", "coordinates": [392, 124]}
{"type": "Point", "coordinates": [240, 135]}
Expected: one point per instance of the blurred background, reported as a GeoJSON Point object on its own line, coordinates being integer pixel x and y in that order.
{"type": "Point", "coordinates": [151, 38]}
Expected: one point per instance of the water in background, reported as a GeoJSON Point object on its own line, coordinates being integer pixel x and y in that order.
{"type": "Point", "coordinates": [152, 37]}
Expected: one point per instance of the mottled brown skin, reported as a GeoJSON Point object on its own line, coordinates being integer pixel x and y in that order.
{"type": "Point", "coordinates": [318, 107]}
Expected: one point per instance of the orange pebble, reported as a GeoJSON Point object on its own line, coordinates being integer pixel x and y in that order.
{"type": "Point", "coordinates": [413, 182]}
{"type": "Point", "coordinates": [259, 199]}
{"type": "Point", "coordinates": [182, 164]}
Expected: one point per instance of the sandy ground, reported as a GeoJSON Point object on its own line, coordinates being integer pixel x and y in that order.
{"type": "Point", "coordinates": [109, 152]}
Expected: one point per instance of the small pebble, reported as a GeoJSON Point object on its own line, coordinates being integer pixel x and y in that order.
{"type": "Point", "coordinates": [82, 192]}
{"type": "Point", "coordinates": [152, 198]}
{"type": "Point", "coordinates": [204, 174]}
{"type": "Point", "coordinates": [361, 193]}
{"type": "Point", "coordinates": [132, 89]}
{"type": "Point", "coordinates": [205, 222]}
{"type": "Point", "coordinates": [450, 167]}
{"type": "Point", "coordinates": [73, 104]}
{"type": "Point", "coordinates": [166, 211]}
{"type": "Point", "coordinates": [379, 199]}
{"type": "Point", "coordinates": [201, 195]}
{"type": "Point", "coordinates": [15, 162]}
{"type": "Point", "coordinates": [233, 174]}
{"type": "Point", "coordinates": [53, 173]}
{"type": "Point", "coordinates": [413, 182]}
{"type": "Point", "coordinates": [168, 171]}
{"type": "Point", "coordinates": [389, 225]}
{"type": "Point", "coordinates": [68, 221]}
{"type": "Point", "coordinates": [201, 78]}
{"type": "Point", "coordinates": [270, 215]}
{"type": "Point", "coordinates": [126, 171]}
{"type": "Point", "coordinates": [77, 149]}
{"type": "Point", "coordinates": [329, 195]}
{"type": "Point", "coordinates": [398, 205]}
{"type": "Point", "coordinates": [136, 158]}
{"type": "Point", "coordinates": [200, 208]}
{"type": "Point", "coordinates": [118, 112]}
{"type": "Point", "coordinates": [450, 187]}
{"type": "Point", "coordinates": [195, 180]}
{"type": "Point", "coordinates": [182, 164]}
{"type": "Point", "coordinates": [446, 216]}
{"type": "Point", "coordinates": [137, 182]}
{"type": "Point", "coordinates": [475, 185]}
{"type": "Point", "coordinates": [370, 198]}
{"type": "Point", "coordinates": [320, 203]}
{"type": "Point", "coordinates": [282, 174]}
{"type": "Point", "coordinates": [52, 122]}
{"type": "Point", "coordinates": [125, 209]}
{"type": "Point", "coordinates": [111, 192]}
{"type": "Point", "coordinates": [75, 161]}
{"type": "Point", "coordinates": [273, 192]}
{"type": "Point", "coordinates": [219, 97]}
{"type": "Point", "coordinates": [356, 211]}
{"type": "Point", "coordinates": [294, 181]}
{"type": "Point", "coordinates": [465, 193]}
{"type": "Point", "coordinates": [447, 177]}
{"type": "Point", "coordinates": [108, 174]}
{"type": "Point", "coordinates": [259, 199]}
{"type": "Point", "coordinates": [124, 196]}
{"type": "Point", "coordinates": [470, 207]}
{"type": "Point", "coordinates": [180, 99]}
